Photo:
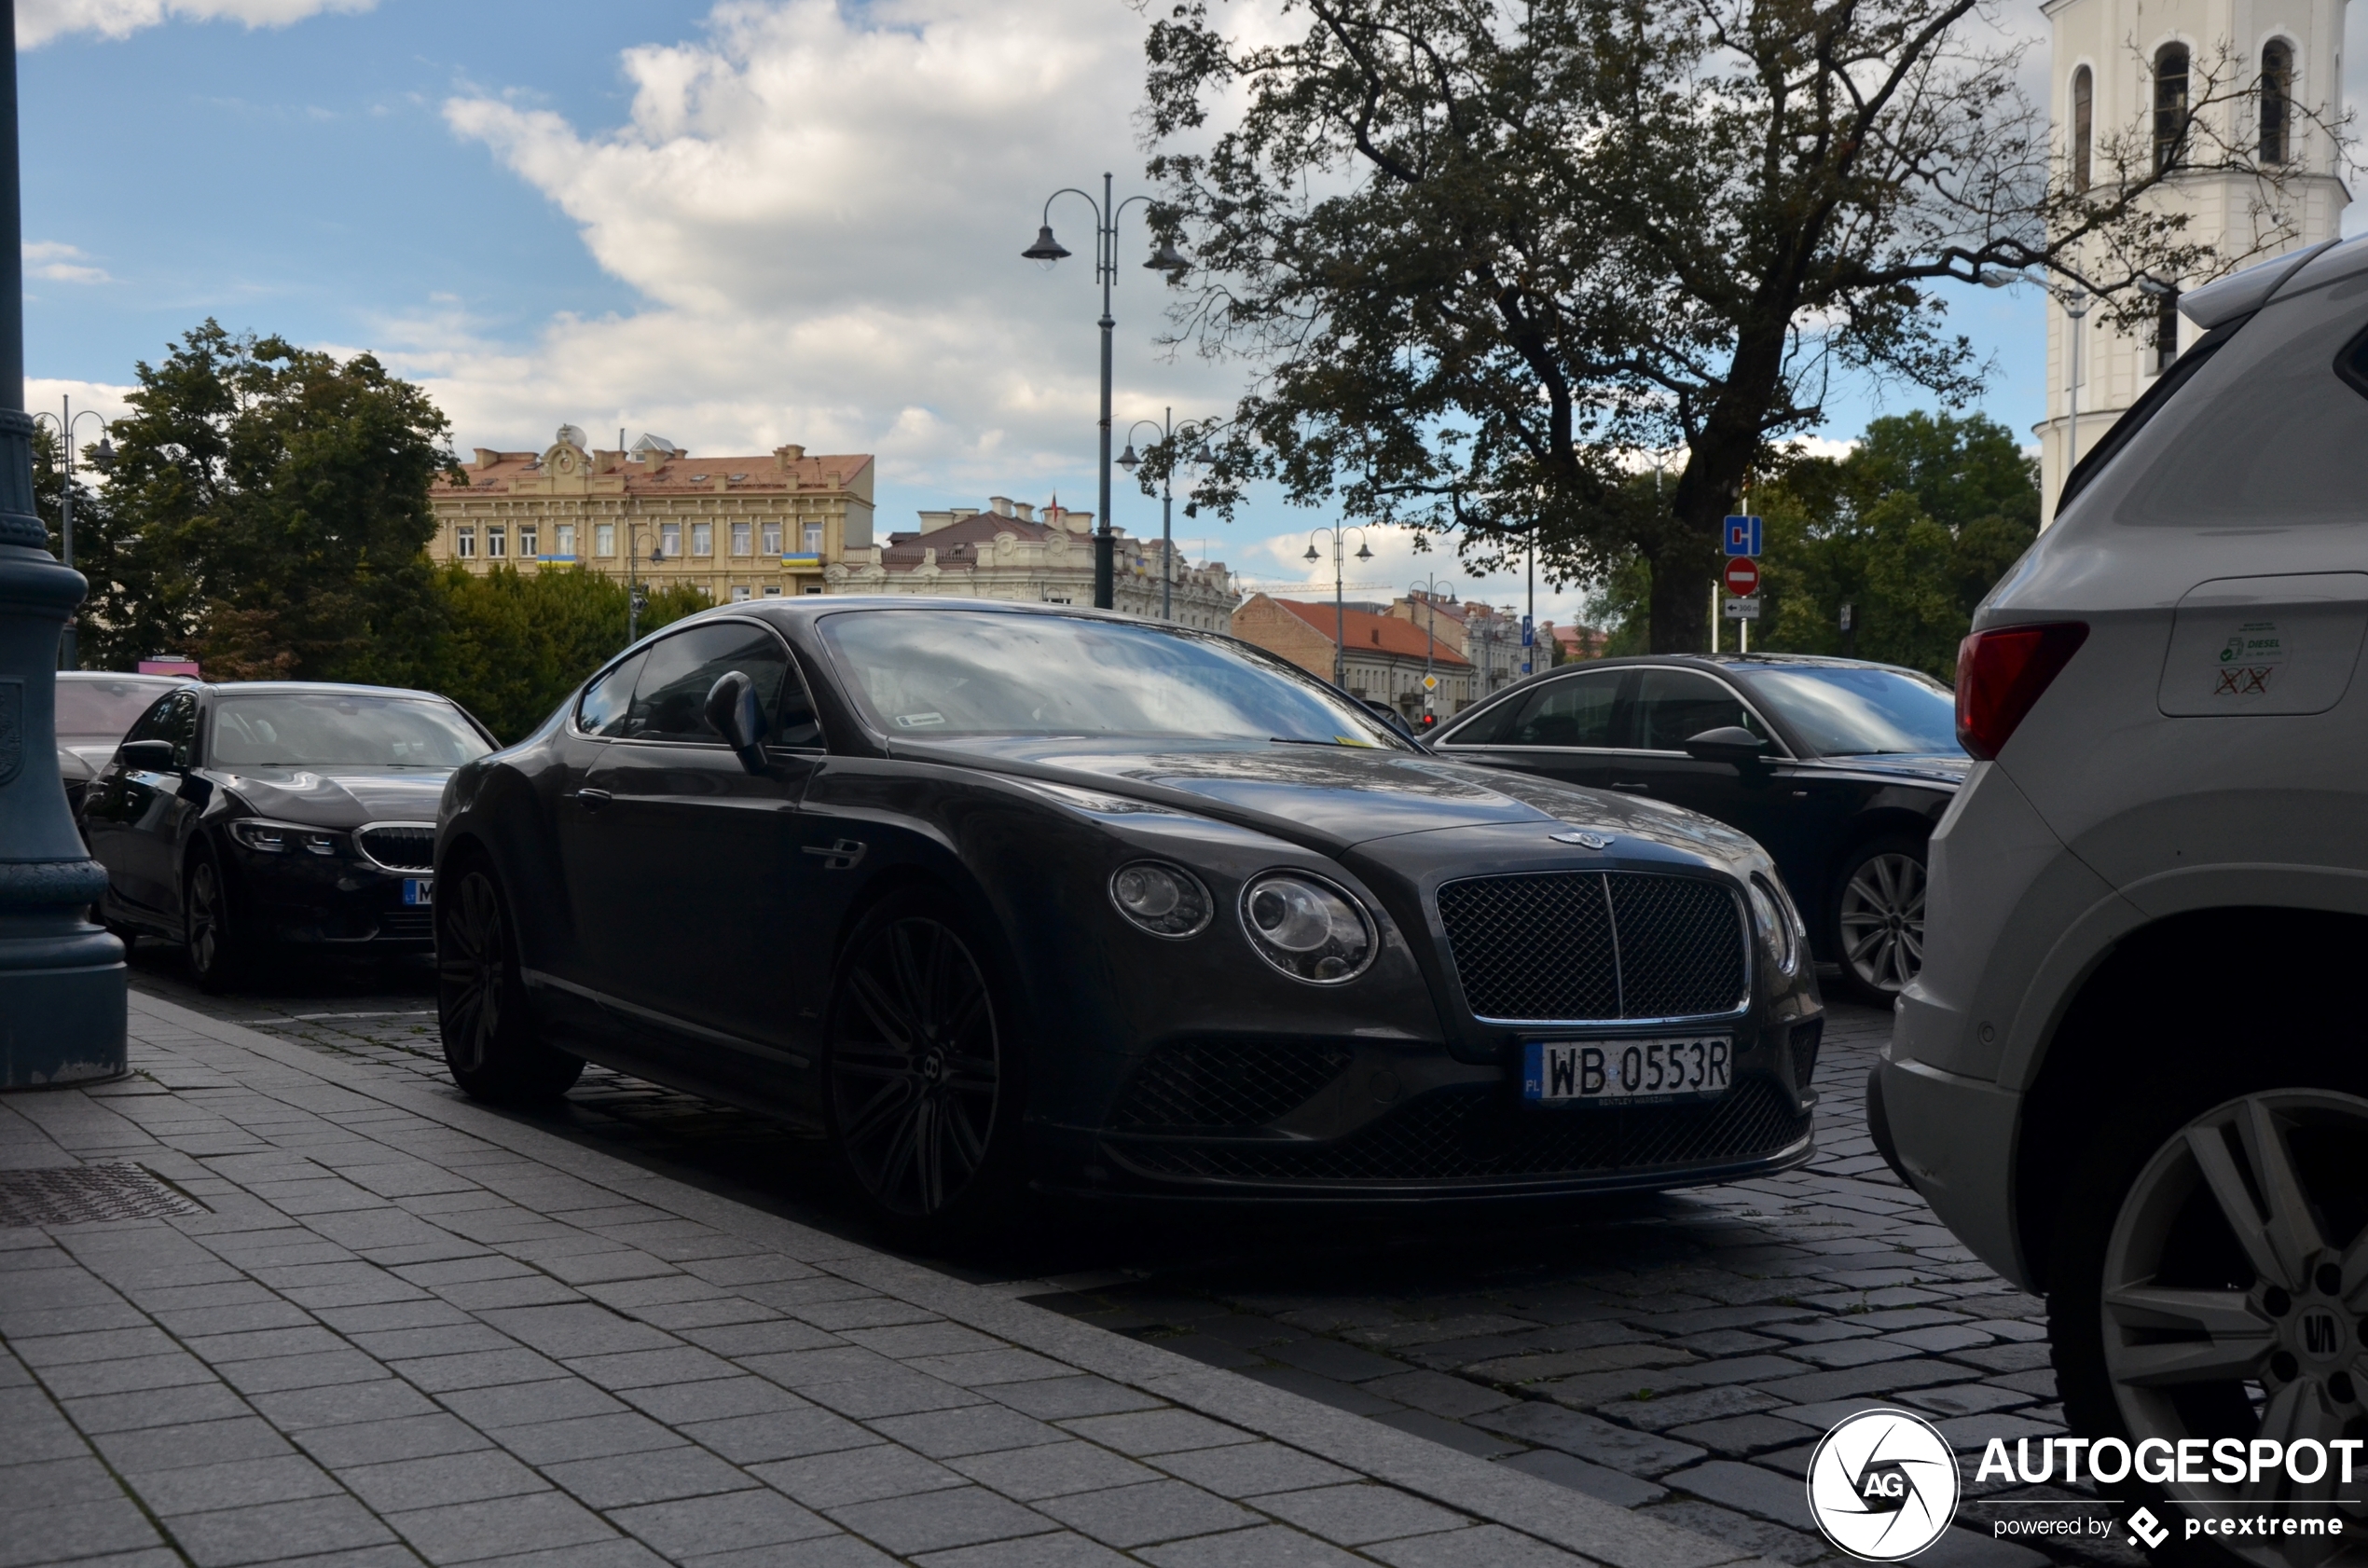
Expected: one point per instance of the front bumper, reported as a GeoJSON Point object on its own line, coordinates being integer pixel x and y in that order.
{"type": "Point", "coordinates": [332, 901]}
{"type": "Point", "coordinates": [1348, 1119]}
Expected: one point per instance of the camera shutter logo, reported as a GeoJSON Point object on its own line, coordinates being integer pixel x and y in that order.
{"type": "Point", "coordinates": [1883, 1485]}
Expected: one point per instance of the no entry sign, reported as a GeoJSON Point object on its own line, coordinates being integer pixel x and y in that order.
{"type": "Point", "coordinates": [1742, 576]}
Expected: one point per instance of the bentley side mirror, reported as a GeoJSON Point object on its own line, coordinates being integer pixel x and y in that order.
{"type": "Point", "coordinates": [733, 713]}
{"type": "Point", "coordinates": [146, 756]}
{"type": "Point", "coordinates": [1729, 743]}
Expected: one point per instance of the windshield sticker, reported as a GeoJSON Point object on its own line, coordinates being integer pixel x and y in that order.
{"type": "Point", "coordinates": [2249, 661]}
{"type": "Point", "coordinates": [918, 720]}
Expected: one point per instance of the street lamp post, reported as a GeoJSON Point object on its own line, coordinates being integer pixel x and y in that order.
{"type": "Point", "coordinates": [1166, 426]}
{"type": "Point", "coordinates": [1046, 253]}
{"type": "Point", "coordinates": [69, 648]}
{"type": "Point", "coordinates": [61, 977]}
{"type": "Point", "coordinates": [1428, 588]}
{"type": "Point", "coordinates": [633, 589]}
{"type": "Point", "coordinates": [1339, 606]}
{"type": "Point", "coordinates": [2075, 304]}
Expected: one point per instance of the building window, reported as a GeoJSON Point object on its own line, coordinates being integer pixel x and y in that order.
{"type": "Point", "coordinates": [2170, 104]}
{"type": "Point", "coordinates": [2276, 100]}
{"type": "Point", "coordinates": [739, 592]}
{"type": "Point", "coordinates": [743, 537]}
{"type": "Point", "coordinates": [497, 542]}
{"type": "Point", "coordinates": [670, 539]}
{"type": "Point", "coordinates": [466, 542]}
{"type": "Point", "coordinates": [772, 539]}
{"type": "Point", "coordinates": [702, 539]}
{"type": "Point", "coordinates": [813, 539]}
{"type": "Point", "coordinates": [527, 539]}
{"type": "Point", "coordinates": [2083, 120]}
{"type": "Point", "coordinates": [604, 539]}
{"type": "Point", "coordinates": [563, 540]}
{"type": "Point", "coordinates": [2166, 331]}
{"type": "Point", "coordinates": [812, 590]}
{"type": "Point", "coordinates": [773, 590]}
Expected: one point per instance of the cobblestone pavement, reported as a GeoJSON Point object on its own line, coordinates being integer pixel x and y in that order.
{"type": "Point", "coordinates": [1677, 1354]}
{"type": "Point", "coordinates": [258, 1305]}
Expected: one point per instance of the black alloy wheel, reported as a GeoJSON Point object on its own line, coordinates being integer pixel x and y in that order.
{"type": "Point", "coordinates": [489, 1041]}
{"type": "Point", "coordinates": [923, 1096]}
{"type": "Point", "coordinates": [1875, 927]}
{"type": "Point", "coordinates": [2215, 1286]}
{"type": "Point", "coordinates": [212, 940]}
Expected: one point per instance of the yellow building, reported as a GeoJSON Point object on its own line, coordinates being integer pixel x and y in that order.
{"type": "Point", "coordinates": [738, 526]}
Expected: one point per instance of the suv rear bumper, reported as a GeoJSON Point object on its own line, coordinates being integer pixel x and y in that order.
{"type": "Point", "coordinates": [1956, 1135]}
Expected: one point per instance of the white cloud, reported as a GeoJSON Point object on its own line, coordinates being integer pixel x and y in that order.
{"type": "Point", "coordinates": [45, 394]}
{"type": "Point", "coordinates": [40, 20]}
{"type": "Point", "coordinates": [62, 262]}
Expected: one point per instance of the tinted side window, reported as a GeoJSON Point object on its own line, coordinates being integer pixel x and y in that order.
{"type": "Point", "coordinates": [173, 718]}
{"type": "Point", "coordinates": [1672, 705]}
{"type": "Point", "coordinates": [602, 708]}
{"type": "Point", "coordinates": [1574, 711]}
{"type": "Point", "coordinates": [1486, 728]}
{"type": "Point", "coordinates": [150, 726]}
{"type": "Point", "coordinates": [669, 700]}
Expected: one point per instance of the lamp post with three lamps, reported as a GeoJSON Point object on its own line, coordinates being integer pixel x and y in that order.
{"type": "Point", "coordinates": [102, 459]}
{"type": "Point", "coordinates": [633, 598]}
{"type": "Point", "coordinates": [1046, 253]}
{"type": "Point", "coordinates": [1340, 607]}
{"type": "Point", "coordinates": [1166, 426]}
{"type": "Point", "coordinates": [1428, 588]}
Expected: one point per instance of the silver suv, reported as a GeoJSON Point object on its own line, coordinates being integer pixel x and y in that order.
{"type": "Point", "coordinates": [2132, 1074]}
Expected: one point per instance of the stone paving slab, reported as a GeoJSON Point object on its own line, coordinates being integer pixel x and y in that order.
{"type": "Point", "coordinates": [408, 1328]}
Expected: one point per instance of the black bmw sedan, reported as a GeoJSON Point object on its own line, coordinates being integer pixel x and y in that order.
{"type": "Point", "coordinates": [1002, 895]}
{"type": "Point", "coordinates": [235, 818]}
{"type": "Point", "coordinates": [1842, 769]}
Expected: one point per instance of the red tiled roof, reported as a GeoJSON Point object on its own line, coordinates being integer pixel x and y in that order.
{"type": "Point", "coordinates": [1364, 629]}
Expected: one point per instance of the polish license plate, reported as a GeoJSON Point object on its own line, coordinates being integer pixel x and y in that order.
{"type": "Point", "coordinates": [418, 889]}
{"type": "Point", "coordinates": [1626, 1071]}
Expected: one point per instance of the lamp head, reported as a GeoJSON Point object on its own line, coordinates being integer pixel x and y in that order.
{"type": "Point", "coordinates": [2155, 288]}
{"type": "Point", "coordinates": [103, 456]}
{"type": "Point", "coordinates": [1128, 460]}
{"type": "Point", "coordinates": [1168, 259]}
{"type": "Point", "coordinates": [1364, 552]}
{"type": "Point", "coordinates": [1311, 554]}
{"type": "Point", "coordinates": [1047, 252]}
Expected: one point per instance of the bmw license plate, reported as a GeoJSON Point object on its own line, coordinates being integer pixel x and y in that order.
{"type": "Point", "coordinates": [418, 889]}
{"type": "Point", "coordinates": [1626, 1071]}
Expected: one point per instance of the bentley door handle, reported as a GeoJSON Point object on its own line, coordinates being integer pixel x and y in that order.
{"type": "Point", "coordinates": [1637, 784]}
{"type": "Point", "coordinates": [594, 799]}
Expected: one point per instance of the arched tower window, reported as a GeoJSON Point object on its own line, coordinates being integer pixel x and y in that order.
{"type": "Point", "coordinates": [2170, 103]}
{"type": "Point", "coordinates": [2276, 100]}
{"type": "Point", "coordinates": [2084, 114]}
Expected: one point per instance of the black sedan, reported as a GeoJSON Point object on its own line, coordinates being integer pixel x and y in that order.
{"type": "Point", "coordinates": [1841, 769]}
{"type": "Point", "coordinates": [94, 708]}
{"type": "Point", "coordinates": [234, 819]}
{"type": "Point", "coordinates": [1002, 896]}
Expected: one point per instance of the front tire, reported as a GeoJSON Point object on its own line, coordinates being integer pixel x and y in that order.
{"type": "Point", "coordinates": [2213, 1283]}
{"type": "Point", "coordinates": [1876, 924]}
{"type": "Point", "coordinates": [925, 1092]}
{"type": "Point", "coordinates": [491, 1044]}
{"type": "Point", "coordinates": [220, 951]}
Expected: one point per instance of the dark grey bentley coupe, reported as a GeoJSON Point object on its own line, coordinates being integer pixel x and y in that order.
{"type": "Point", "coordinates": [1006, 895]}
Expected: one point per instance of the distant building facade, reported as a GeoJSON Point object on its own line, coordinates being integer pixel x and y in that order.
{"type": "Point", "coordinates": [1382, 656]}
{"type": "Point", "coordinates": [1007, 551]}
{"type": "Point", "coordinates": [1490, 636]}
{"type": "Point", "coordinates": [737, 527]}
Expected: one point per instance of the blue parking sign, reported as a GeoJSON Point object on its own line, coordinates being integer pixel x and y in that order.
{"type": "Point", "coordinates": [1742, 536]}
{"type": "Point", "coordinates": [1529, 633]}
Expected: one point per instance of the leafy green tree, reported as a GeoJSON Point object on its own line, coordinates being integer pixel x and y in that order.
{"type": "Point", "coordinates": [511, 645]}
{"type": "Point", "coordinates": [1910, 529]}
{"type": "Point", "coordinates": [268, 515]}
{"type": "Point", "coordinates": [1484, 255]}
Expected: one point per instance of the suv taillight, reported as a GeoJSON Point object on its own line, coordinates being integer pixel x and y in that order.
{"type": "Point", "coordinates": [2001, 672]}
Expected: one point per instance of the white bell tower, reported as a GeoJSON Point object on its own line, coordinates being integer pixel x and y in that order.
{"type": "Point", "coordinates": [2123, 67]}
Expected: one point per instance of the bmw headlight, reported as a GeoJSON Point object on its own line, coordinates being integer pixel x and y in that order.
{"type": "Point", "coordinates": [1309, 929]}
{"type": "Point", "coordinates": [1165, 901]}
{"type": "Point", "coordinates": [1776, 921]}
{"type": "Point", "coordinates": [287, 838]}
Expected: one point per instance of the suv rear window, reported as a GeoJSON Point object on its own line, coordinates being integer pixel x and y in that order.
{"type": "Point", "coordinates": [2266, 433]}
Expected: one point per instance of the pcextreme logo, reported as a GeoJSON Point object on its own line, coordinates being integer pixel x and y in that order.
{"type": "Point", "coordinates": [1882, 1485]}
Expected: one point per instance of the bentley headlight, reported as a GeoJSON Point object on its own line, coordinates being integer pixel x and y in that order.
{"type": "Point", "coordinates": [285, 838]}
{"type": "Point", "coordinates": [1165, 901]}
{"type": "Point", "coordinates": [1778, 925]}
{"type": "Point", "coordinates": [1309, 929]}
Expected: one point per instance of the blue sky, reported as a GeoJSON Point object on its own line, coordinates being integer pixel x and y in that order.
{"type": "Point", "coordinates": [734, 225]}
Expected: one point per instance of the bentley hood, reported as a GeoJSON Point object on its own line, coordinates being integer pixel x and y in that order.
{"type": "Point", "coordinates": [338, 797]}
{"type": "Point", "coordinates": [1335, 797]}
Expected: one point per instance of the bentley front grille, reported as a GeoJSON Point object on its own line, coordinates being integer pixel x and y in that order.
{"type": "Point", "coordinates": [1580, 946]}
